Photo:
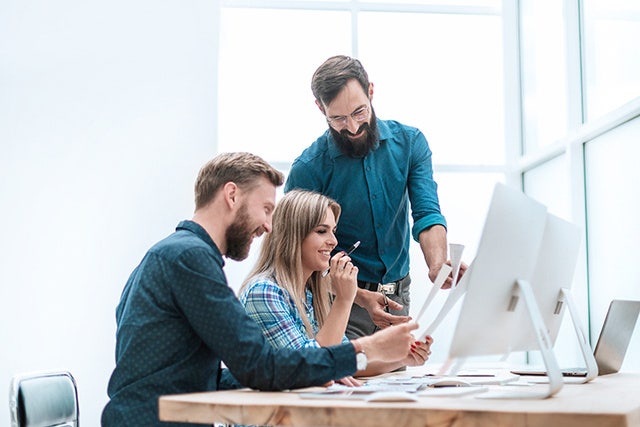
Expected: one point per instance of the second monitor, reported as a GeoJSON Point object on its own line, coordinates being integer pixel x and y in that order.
{"type": "Point", "coordinates": [514, 275]}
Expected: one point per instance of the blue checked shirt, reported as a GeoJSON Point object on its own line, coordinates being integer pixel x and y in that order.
{"type": "Point", "coordinates": [273, 309]}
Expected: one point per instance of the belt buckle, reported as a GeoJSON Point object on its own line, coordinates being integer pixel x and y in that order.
{"type": "Point", "coordinates": [387, 288]}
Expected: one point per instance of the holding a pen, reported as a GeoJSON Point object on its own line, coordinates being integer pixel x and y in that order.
{"type": "Point", "coordinates": [351, 249]}
{"type": "Point", "coordinates": [294, 255]}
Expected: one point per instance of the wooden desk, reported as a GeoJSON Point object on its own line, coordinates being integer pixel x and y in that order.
{"type": "Point", "coordinates": [612, 400]}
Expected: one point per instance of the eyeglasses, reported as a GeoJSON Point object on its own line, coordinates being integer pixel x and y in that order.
{"type": "Point", "coordinates": [360, 115]}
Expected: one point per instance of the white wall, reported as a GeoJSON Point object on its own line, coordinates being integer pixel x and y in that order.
{"type": "Point", "coordinates": [106, 114]}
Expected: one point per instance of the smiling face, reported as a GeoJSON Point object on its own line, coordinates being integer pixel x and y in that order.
{"type": "Point", "coordinates": [349, 110]}
{"type": "Point", "coordinates": [318, 244]}
{"type": "Point", "coordinates": [253, 218]}
{"type": "Point", "coordinates": [352, 120]}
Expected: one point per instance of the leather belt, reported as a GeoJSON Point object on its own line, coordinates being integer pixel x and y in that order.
{"type": "Point", "coordinates": [389, 288]}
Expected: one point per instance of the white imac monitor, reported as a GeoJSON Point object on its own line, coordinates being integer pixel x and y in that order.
{"type": "Point", "coordinates": [551, 284]}
{"type": "Point", "coordinates": [552, 276]}
{"type": "Point", "coordinates": [499, 306]}
{"type": "Point", "coordinates": [507, 252]}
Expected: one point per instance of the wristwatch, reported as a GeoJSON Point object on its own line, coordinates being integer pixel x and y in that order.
{"type": "Point", "coordinates": [361, 356]}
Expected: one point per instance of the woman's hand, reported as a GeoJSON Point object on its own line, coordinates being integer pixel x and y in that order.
{"type": "Point", "coordinates": [344, 277]}
{"type": "Point", "coordinates": [420, 352]}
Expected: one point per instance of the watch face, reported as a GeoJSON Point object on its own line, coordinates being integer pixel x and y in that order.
{"type": "Point", "coordinates": [361, 361]}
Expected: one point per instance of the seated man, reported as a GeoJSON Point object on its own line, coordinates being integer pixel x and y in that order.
{"type": "Point", "coordinates": [178, 319]}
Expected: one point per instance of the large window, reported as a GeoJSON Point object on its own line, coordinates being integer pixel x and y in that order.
{"type": "Point", "coordinates": [504, 90]}
{"type": "Point", "coordinates": [611, 54]}
{"type": "Point", "coordinates": [612, 216]}
{"type": "Point", "coordinates": [439, 69]}
{"type": "Point", "coordinates": [266, 60]}
{"type": "Point", "coordinates": [544, 72]}
{"type": "Point", "coordinates": [443, 74]}
{"type": "Point", "coordinates": [435, 65]}
{"type": "Point", "coordinates": [580, 141]}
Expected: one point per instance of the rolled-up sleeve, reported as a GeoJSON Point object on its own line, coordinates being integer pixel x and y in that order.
{"type": "Point", "coordinates": [422, 188]}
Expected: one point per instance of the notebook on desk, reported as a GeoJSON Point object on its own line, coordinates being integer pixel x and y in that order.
{"type": "Point", "coordinates": [612, 344]}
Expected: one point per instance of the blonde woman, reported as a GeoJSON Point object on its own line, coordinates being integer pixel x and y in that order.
{"type": "Point", "coordinates": [286, 293]}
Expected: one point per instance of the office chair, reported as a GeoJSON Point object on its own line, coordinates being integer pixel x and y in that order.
{"type": "Point", "coordinates": [43, 399]}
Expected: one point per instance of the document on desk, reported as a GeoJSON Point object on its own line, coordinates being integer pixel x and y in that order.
{"type": "Point", "coordinates": [394, 387]}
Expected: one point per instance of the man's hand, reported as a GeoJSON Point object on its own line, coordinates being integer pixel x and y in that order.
{"type": "Point", "coordinates": [350, 382]}
{"type": "Point", "coordinates": [389, 345]}
{"type": "Point", "coordinates": [433, 273]}
{"type": "Point", "coordinates": [376, 303]}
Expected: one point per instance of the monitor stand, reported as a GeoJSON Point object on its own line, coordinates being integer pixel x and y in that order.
{"type": "Point", "coordinates": [522, 290]}
{"type": "Point", "coordinates": [585, 349]}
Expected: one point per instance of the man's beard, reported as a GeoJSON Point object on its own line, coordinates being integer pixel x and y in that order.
{"type": "Point", "coordinates": [239, 236]}
{"type": "Point", "coordinates": [358, 149]}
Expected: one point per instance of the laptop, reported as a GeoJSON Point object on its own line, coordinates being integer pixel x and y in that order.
{"type": "Point", "coordinates": [612, 344]}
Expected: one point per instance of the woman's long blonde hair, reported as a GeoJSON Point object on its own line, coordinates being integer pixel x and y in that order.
{"type": "Point", "coordinates": [280, 259]}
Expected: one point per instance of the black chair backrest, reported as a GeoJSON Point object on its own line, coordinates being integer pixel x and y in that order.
{"type": "Point", "coordinates": [45, 399]}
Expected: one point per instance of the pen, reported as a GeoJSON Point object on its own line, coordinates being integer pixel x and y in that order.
{"type": "Point", "coordinates": [351, 249]}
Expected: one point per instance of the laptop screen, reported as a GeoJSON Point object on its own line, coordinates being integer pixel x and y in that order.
{"type": "Point", "coordinates": [615, 335]}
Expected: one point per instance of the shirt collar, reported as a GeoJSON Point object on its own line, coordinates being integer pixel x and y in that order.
{"type": "Point", "coordinates": [197, 229]}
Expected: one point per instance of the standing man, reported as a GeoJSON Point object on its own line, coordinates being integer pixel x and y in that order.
{"type": "Point", "coordinates": [374, 168]}
{"type": "Point", "coordinates": [177, 318]}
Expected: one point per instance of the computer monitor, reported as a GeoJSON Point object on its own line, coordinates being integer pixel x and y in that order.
{"type": "Point", "coordinates": [499, 305]}
{"type": "Point", "coordinates": [488, 322]}
{"type": "Point", "coordinates": [551, 284]}
{"type": "Point", "coordinates": [552, 276]}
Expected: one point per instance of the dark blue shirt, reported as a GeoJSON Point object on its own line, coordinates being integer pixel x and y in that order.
{"type": "Point", "coordinates": [177, 319]}
{"type": "Point", "coordinates": [374, 193]}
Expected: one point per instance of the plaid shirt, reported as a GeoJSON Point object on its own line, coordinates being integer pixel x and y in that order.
{"type": "Point", "coordinates": [274, 310]}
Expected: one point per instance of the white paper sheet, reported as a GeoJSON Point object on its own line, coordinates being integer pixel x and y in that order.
{"type": "Point", "coordinates": [440, 279]}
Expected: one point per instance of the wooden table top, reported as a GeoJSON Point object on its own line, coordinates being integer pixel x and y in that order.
{"type": "Point", "coordinates": [611, 400]}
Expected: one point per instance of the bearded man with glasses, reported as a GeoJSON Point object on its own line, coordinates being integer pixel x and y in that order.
{"type": "Point", "coordinates": [375, 169]}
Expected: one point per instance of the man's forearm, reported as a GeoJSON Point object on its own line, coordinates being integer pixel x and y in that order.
{"type": "Point", "coordinates": [433, 242]}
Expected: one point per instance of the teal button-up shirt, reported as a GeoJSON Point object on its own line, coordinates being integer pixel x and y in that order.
{"type": "Point", "coordinates": [375, 192]}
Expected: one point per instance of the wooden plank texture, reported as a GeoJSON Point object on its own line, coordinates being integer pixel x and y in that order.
{"type": "Point", "coordinates": [612, 400]}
